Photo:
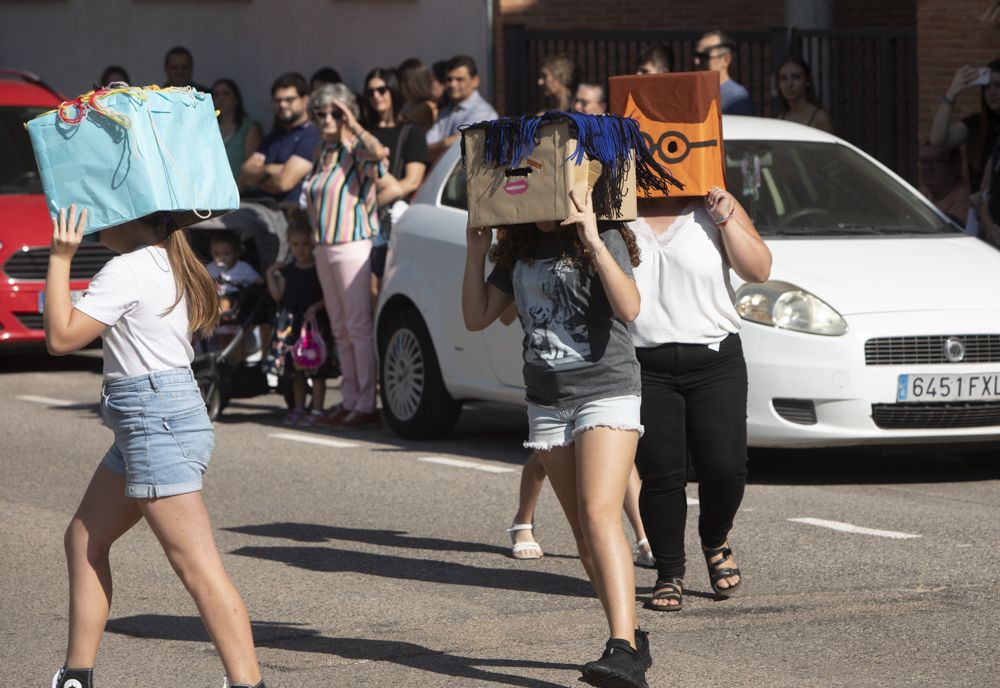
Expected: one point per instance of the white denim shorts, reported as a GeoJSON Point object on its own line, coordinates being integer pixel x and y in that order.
{"type": "Point", "coordinates": [552, 427]}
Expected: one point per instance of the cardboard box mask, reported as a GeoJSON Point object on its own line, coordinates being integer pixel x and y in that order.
{"type": "Point", "coordinates": [536, 187]}
{"type": "Point", "coordinates": [127, 153]}
{"type": "Point", "coordinates": [680, 117]}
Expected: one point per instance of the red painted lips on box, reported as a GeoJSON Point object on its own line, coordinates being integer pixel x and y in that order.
{"type": "Point", "coordinates": [516, 186]}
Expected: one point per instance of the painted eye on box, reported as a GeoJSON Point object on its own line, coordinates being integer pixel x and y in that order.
{"type": "Point", "coordinates": [673, 147]}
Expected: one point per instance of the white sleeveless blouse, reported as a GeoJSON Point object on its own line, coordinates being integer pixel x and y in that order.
{"type": "Point", "coordinates": [683, 280]}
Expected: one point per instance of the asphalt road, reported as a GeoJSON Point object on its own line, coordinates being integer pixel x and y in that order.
{"type": "Point", "coordinates": [371, 561]}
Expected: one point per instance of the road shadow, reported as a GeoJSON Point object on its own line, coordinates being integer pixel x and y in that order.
{"type": "Point", "coordinates": [312, 532]}
{"type": "Point", "coordinates": [872, 466]}
{"type": "Point", "coordinates": [333, 560]}
{"type": "Point", "coordinates": [299, 638]}
{"type": "Point", "coordinates": [41, 362]}
{"type": "Point", "coordinates": [487, 431]}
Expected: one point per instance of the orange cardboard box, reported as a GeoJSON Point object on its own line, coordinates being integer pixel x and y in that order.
{"type": "Point", "coordinates": [680, 118]}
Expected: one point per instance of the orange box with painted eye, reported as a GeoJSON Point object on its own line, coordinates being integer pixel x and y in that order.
{"type": "Point", "coordinates": [680, 118]}
{"type": "Point", "coordinates": [537, 188]}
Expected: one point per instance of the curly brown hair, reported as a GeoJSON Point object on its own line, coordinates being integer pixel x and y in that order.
{"type": "Point", "coordinates": [517, 242]}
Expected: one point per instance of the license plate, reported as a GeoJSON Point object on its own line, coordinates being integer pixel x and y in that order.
{"type": "Point", "coordinates": [973, 387]}
{"type": "Point", "coordinates": [74, 296]}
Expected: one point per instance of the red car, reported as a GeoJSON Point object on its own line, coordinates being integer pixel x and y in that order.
{"type": "Point", "coordinates": [25, 226]}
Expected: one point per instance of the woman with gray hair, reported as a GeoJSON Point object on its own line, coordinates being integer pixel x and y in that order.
{"type": "Point", "coordinates": [340, 200]}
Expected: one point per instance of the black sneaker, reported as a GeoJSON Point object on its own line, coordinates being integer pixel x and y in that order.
{"type": "Point", "coordinates": [619, 667]}
{"type": "Point", "coordinates": [642, 647]}
{"type": "Point", "coordinates": [73, 678]}
{"type": "Point", "coordinates": [244, 685]}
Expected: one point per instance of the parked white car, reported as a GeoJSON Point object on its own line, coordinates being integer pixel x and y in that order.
{"type": "Point", "coordinates": [880, 323]}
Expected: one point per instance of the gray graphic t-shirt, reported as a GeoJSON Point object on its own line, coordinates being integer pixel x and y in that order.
{"type": "Point", "coordinates": [575, 349]}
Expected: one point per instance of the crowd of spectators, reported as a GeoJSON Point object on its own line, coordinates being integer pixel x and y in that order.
{"type": "Point", "coordinates": [347, 163]}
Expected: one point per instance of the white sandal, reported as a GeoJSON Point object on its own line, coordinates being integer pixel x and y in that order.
{"type": "Point", "coordinates": [528, 549]}
{"type": "Point", "coordinates": [643, 559]}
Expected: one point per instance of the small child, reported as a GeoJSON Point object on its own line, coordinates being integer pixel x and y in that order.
{"type": "Point", "coordinates": [231, 273]}
{"type": "Point", "coordinates": [296, 288]}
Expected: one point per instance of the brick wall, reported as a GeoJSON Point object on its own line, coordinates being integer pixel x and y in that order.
{"type": "Point", "coordinates": [852, 14]}
{"type": "Point", "coordinates": [950, 35]}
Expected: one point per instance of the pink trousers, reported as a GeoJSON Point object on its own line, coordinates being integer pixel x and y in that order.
{"type": "Point", "coordinates": [344, 272]}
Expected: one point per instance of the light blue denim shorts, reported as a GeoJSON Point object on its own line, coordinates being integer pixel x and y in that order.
{"type": "Point", "coordinates": [163, 437]}
{"type": "Point", "coordinates": [553, 427]}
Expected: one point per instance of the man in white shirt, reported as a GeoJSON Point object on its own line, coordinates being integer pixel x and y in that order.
{"type": "Point", "coordinates": [465, 106]}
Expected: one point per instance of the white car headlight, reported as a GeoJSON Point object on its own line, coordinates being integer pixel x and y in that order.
{"type": "Point", "coordinates": [781, 304]}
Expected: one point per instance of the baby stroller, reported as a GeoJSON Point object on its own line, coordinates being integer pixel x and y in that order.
{"type": "Point", "coordinates": [220, 367]}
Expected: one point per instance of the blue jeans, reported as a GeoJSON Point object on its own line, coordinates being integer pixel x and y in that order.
{"type": "Point", "coordinates": [163, 437]}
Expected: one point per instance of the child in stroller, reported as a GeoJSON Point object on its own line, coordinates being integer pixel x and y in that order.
{"type": "Point", "coordinates": [225, 366]}
{"type": "Point", "coordinates": [296, 289]}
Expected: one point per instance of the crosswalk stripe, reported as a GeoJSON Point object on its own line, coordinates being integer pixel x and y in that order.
{"type": "Point", "coordinates": [309, 439]}
{"type": "Point", "coordinates": [849, 528]}
{"type": "Point", "coordinates": [458, 463]}
{"type": "Point", "coordinates": [48, 401]}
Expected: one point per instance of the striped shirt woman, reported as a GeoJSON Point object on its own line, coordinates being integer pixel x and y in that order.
{"type": "Point", "coordinates": [340, 199]}
{"type": "Point", "coordinates": [340, 195]}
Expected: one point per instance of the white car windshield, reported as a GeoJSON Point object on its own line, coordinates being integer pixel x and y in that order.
{"type": "Point", "coordinates": [798, 188]}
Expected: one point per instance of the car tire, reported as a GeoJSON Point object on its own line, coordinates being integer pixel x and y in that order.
{"type": "Point", "coordinates": [415, 401]}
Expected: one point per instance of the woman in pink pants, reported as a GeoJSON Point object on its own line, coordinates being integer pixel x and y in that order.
{"type": "Point", "coordinates": [340, 200]}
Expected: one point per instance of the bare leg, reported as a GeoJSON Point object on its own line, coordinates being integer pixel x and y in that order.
{"type": "Point", "coordinates": [318, 394]}
{"type": "Point", "coordinates": [604, 460]}
{"type": "Point", "coordinates": [532, 481]}
{"type": "Point", "coordinates": [560, 466]}
{"type": "Point", "coordinates": [632, 511]}
{"type": "Point", "coordinates": [104, 515]}
{"type": "Point", "coordinates": [182, 526]}
{"type": "Point", "coordinates": [298, 391]}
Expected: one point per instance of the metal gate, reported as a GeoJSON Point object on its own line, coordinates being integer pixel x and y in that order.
{"type": "Point", "coordinates": [865, 78]}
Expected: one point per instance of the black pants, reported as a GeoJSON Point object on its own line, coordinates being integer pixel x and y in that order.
{"type": "Point", "coordinates": [694, 400]}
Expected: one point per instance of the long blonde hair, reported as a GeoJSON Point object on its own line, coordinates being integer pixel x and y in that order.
{"type": "Point", "coordinates": [194, 283]}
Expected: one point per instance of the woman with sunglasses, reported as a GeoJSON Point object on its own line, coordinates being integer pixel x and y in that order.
{"type": "Point", "coordinates": [339, 195]}
{"type": "Point", "coordinates": [407, 161]}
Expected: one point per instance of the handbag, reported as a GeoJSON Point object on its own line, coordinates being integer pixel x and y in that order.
{"type": "Point", "coordinates": [309, 352]}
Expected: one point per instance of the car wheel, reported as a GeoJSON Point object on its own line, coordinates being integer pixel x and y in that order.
{"type": "Point", "coordinates": [415, 401]}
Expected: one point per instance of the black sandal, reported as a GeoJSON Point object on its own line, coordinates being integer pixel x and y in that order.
{"type": "Point", "coordinates": [717, 573]}
{"type": "Point", "coordinates": [667, 589]}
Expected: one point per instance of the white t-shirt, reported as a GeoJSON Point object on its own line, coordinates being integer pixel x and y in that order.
{"type": "Point", "coordinates": [683, 282]}
{"type": "Point", "coordinates": [235, 278]}
{"type": "Point", "coordinates": [131, 295]}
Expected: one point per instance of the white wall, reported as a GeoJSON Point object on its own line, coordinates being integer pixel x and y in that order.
{"type": "Point", "coordinates": [69, 42]}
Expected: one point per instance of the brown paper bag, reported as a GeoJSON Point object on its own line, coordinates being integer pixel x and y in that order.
{"type": "Point", "coordinates": [680, 117]}
{"type": "Point", "coordinates": [538, 189]}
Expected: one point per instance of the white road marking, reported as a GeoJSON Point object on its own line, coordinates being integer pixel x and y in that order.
{"type": "Point", "coordinates": [310, 439]}
{"type": "Point", "coordinates": [48, 401]}
{"type": "Point", "coordinates": [848, 528]}
{"type": "Point", "coordinates": [458, 463]}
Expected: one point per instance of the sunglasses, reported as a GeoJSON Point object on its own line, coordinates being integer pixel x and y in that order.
{"type": "Point", "coordinates": [336, 114]}
{"type": "Point", "coordinates": [706, 55]}
{"type": "Point", "coordinates": [381, 90]}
